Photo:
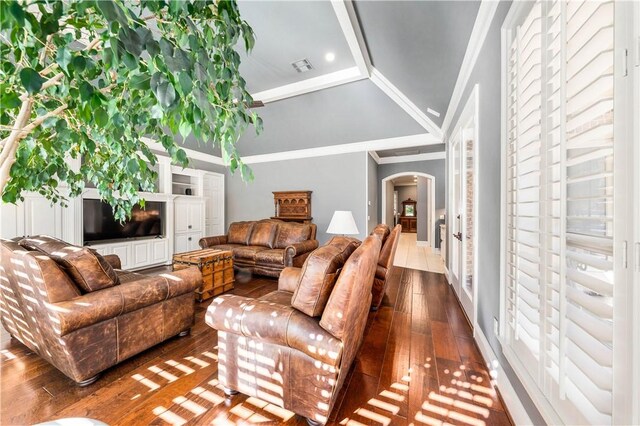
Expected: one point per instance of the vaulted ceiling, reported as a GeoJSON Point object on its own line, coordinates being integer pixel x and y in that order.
{"type": "Point", "coordinates": [393, 72]}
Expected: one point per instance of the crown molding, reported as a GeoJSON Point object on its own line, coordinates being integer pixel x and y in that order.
{"type": "Point", "coordinates": [372, 145]}
{"type": "Point", "coordinates": [486, 12]}
{"type": "Point", "coordinates": [191, 153]}
{"type": "Point", "coordinates": [405, 103]}
{"type": "Point", "coordinates": [309, 85]}
{"type": "Point", "coordinates": [410, 158]}
{"type": "Point", "coordinates": [375, 156]}
{"type": "Point", "coordinates": [346, 14]}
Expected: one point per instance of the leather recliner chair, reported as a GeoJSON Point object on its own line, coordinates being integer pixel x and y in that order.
{"type": "Point", "coordinates": [83, 329]}
{"type": "Point", "coordinates": [294, 347]}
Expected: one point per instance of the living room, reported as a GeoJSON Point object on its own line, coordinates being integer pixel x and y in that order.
{"type": "Point", "coordinates": [320, 212]}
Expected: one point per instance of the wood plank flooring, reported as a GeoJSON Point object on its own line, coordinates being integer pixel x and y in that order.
{"type": "Point", "coordinates": [418, 365]}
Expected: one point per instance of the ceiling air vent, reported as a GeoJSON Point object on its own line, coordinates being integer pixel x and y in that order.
{"type": "Point", "coordinates": [303, 65]}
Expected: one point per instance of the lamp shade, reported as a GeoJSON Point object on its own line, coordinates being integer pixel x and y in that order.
{"type": "Point", "coordinates": [343, 223]}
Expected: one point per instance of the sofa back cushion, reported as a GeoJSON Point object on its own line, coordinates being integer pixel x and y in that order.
{"type": "Point", "coordinates": [382, 230]}
{"type": "Point", "coordinates": [264, 234]}
{"type": "Point", "coordinates": [292, 233]}
{"type": "Point", "coordinates": [389, 247]}
{"type": "Point", "coordinates": [346, 311]}
{"type": "Point", "coordinates": [319, 274]}
{"type": "Point", "coordinates": [239, 232]}
{"type": "Point", "coordinates": [56, 285]}
{"type": "Point", "coordinates": [88, 269]}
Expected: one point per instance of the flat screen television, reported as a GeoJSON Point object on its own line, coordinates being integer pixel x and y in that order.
{"type": "Point", "coordinates": [99, 225]}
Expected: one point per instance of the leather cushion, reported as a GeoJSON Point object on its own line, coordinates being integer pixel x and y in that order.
{"type": "Point", "coordinates": [263, 234]}
{"type": "Point", "coordinates": [292, 233]}
{"type": "Point", "coordinates": [280, 297]}
{"type": "Point", "coordinates": [239, 232]}
{"type": "Point", "coordinates": [247, 252]}
{"type": "Point", "coordinates": [270, 257]}
{"type": "Point", "coordinates": [319, 274]}
{"type": "Point", "coordinates": [88, 269]}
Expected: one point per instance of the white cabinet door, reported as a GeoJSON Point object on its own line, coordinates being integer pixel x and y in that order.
{"type": "Point", "coordinates": [11, 220]}
{"type": "Point", "coordinates": [193, 239]}
{"type": "Point", "coordinates": [195, 216]}
{"type": "Point", "coordinates": [181, 216]}
{"type": "Point", "coordinates": [141, 253]}
{"type": "Point", "coordinates": [181, 243]}
{"type": "Point", "coordinates": [123, 251]}
{"type": "Point", "coordinates": [160, 251]}
{"type": "Point", "coordinates": [214, 204]}
{"type": "Point", "coordinates": [42, 218]}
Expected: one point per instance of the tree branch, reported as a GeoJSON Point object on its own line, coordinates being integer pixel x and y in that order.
{"type": "Point", "coordinates": [10, 145]}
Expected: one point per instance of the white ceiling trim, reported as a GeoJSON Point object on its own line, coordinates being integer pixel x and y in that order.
{"type": "Point", "coordinates": [309, 85]}
{"type": "Point", "coordinates": [411, 158]}
{"type": "Point", "coordinates": [348, 20]}
{"type": "Point", "coordinates": [191, 153]}
{"type": "Point", "coordinates": [372, 145]}
{"type": "Point", "coordinates": [479, 33]}
{"type": "Point", "coordinates": [405, 103]}
{"type": "Point", "coordinates": [375, 156]}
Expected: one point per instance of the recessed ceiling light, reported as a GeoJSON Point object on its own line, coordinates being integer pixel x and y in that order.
{"type": "Point", "coordinates": [330, 57]}
{"type": "Point", "coordinates": [415, 176]}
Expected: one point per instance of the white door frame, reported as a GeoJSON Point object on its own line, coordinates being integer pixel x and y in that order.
{"type": "Point", "coordinates": [470, 114]}
{"type": "Point", "coordinates": [431, 181]}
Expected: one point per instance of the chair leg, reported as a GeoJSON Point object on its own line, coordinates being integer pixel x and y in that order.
{"type": "Point", "coordinates": [184, 333]}
{"type": "Point", "coordinates": [88, 381]}
{"type": "Point", "coordinates": [230, 392]}
{"type": "Point", "coordinates": [313, 422]}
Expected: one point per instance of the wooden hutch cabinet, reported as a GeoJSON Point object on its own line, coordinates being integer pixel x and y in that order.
{"type": "Point", "coordinates": [292, 206]}
{"type": "Point", "coordinates": [408, 218]}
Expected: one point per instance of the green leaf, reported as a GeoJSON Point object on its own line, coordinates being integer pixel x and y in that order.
{"type": "Point", "coordinates": [10, 100]}
{"type": "Point", "coordinates": [181, 156]}
{"type": "Point", "coordinates": [79, 63]}
{"type": "Point", "coordinates": [141, 82]}
{"type": "Point", "coordinates": [101, 117]}
{"type": "Point", "coordinates": [185, 128]}
{"type": "Point", "coordinates": [86, 90]}
{"type": "Point", "coordinates": [31, 80]}
{"type": "Point", "coordinates": [63, 57]}
{"type": "Point", "coordinates": [166, 94]}
{"type": "Point", "coordinates": [186, 83]}
{"type": "Point", "coordinates": [133, 166]}
{"type": "Point", "coordinates": [18, 13]}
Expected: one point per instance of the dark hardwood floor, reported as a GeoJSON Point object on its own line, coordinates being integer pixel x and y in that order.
{"type": "Point", "coordinates": [418, 365]}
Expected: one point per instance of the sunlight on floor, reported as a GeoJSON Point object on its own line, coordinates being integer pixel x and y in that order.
{"type": "Point", "coordinates": [409, 255]}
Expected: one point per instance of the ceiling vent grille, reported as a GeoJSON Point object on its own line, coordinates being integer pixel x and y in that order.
{"type": "Point", "coordinates": [303, 65]}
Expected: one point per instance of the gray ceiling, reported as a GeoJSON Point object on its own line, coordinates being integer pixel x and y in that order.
{"type": "Point", "coordinates": [411, 151]}
{"type": "Point", "coordinates": [287, 31]}
{"type": "Point", "coordinates": [419, 46]}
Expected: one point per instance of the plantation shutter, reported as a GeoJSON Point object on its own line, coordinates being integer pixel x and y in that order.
{"type": "Point", "coordinates": [559, 188]}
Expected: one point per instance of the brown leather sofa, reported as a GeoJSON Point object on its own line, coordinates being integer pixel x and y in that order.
{"type": "Point", "coordinates": [385, 261]}
{"type": "Point", "coordinates": [293, 347]}
{"type": "Point", "coordinates": [80, 312]}
{"type": "Point", "coordinates": [265, 247]}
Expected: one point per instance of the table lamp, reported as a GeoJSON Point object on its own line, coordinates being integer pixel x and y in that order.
{"type": "Point", "coordinates": [342, 223]}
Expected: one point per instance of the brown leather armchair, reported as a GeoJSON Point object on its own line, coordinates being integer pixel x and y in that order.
{"type": "Point", "coordinates": [83, 332]}
{"type": "Point", "coordinates": [294, 347]}
{"type": "Point", "coordinates": [385, 263]}
{"type": "Point", "coordinates": [266, 246]}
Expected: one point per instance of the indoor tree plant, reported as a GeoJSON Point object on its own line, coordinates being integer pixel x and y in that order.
{"type": "Point", "coordinates": [89, 78]}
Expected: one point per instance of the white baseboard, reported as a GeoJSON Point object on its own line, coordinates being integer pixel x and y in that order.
{"type": "Point", "coordinates": [446, 274]}
{"type": "Point", "coordinates": [422, 243]}
{"type": "Point", "coordinates": [509, 395]}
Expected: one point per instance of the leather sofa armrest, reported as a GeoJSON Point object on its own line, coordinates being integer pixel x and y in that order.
{"type": "Point", "coordinates": [289, 279]}
{"type": "Point", "coordinates": [101, 305]}
{"type": "Point", "coordinates": [207, 242]}
{"type": "Point", "coordinates": [273, 323]}
{"type": "Point", "coordinates": [113, 260]}
{"type": "Point", "coordinates": [297, 249]}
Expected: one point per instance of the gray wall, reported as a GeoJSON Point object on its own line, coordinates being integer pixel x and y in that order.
{"type": "Point", "coordinates": [486, 74]}
{"type": "Point", "coordinates": [372, 193]}
{"type": "Point", "coordinates": [389, 201]}
{"type": "Point", "coordinates": [421, 208]}
{"type": "Point", "coordinates": [404, 193]}
{"type": "Point", "coordinates": [337, 181]}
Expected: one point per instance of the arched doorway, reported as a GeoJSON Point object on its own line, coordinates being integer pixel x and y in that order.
{"type": "Point", "coordinates": [431, 201]}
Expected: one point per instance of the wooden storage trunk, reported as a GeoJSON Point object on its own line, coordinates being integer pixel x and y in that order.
{"type": "Point", "coordinates": [216, 267]}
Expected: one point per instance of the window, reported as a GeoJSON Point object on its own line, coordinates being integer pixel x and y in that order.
{"type": "Point", "coordinates": [562, 285]}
